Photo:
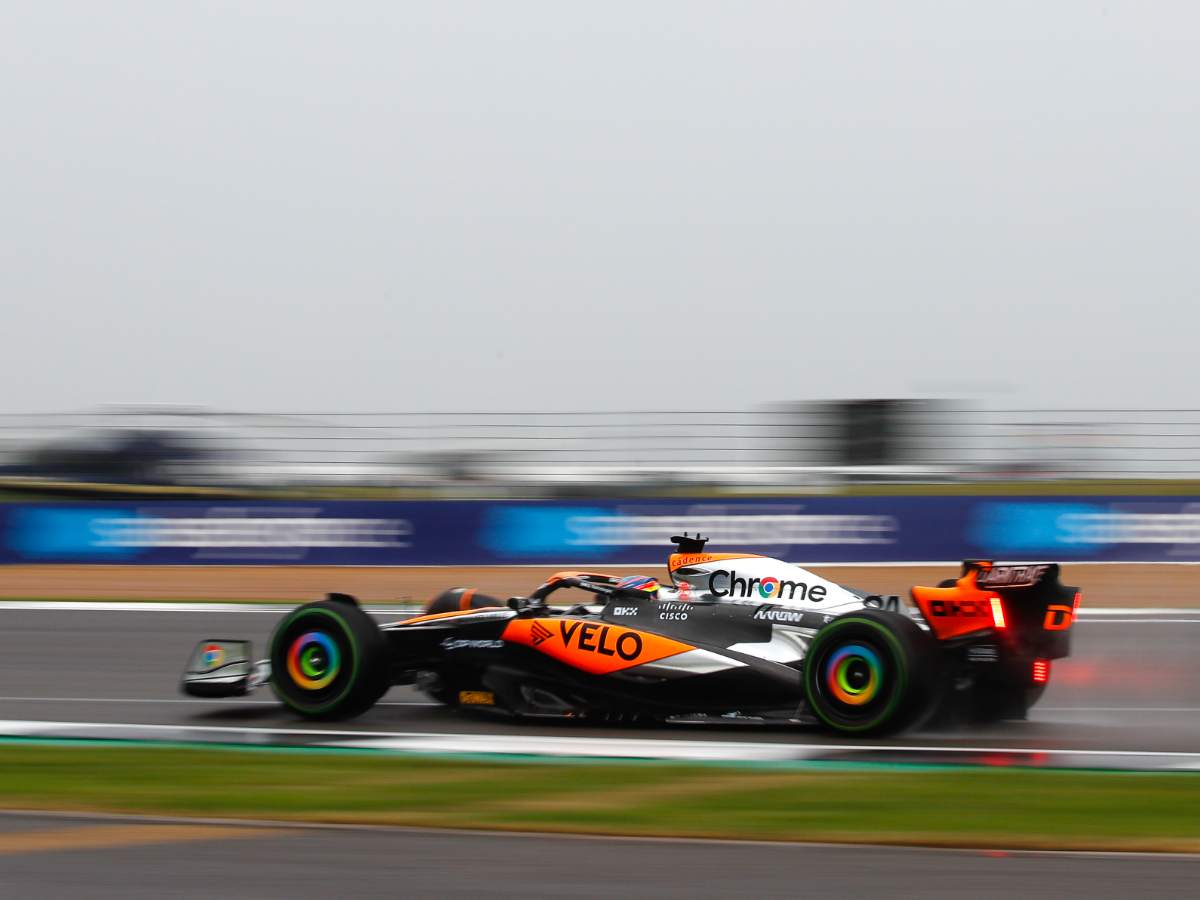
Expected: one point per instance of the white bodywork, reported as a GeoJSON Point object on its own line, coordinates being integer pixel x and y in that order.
{"type": "Point", "coordinates": [761, 580]}
{"type": "Point", "coordinates": [787, 594]}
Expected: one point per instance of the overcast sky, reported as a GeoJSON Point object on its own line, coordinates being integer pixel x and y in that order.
{"type": "Point", "coordinates": [513, 205]}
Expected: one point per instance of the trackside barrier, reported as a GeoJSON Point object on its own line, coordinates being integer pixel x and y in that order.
{"type": "Point", "coordinates": [382, 533]}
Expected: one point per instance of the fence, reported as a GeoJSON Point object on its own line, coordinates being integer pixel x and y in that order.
{"type": "Point", "coordinates": [781, 447]}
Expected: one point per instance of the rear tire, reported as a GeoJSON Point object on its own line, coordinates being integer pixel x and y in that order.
{"type": "Point", "coordinates": [328, 661]}
{"type": "Point", "coordinates": [870, 672]}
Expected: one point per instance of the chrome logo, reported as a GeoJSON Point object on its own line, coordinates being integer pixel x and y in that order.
{"type": "Point", "coordinates": [212, 655]}
{"type": "Point", "coordinates": [313, 661]}
{"type": "Point", "coordinates": [728, 583]}
{"type": "Point", "coordinates": [853, 674]}
{"type": "Point", "coordinates": [768, 587]}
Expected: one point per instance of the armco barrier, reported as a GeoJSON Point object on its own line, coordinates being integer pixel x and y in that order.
{"type": "Point", "coordinates": [829, 529]}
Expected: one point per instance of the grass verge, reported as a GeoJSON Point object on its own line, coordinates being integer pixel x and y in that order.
{"type": "Point", "coordinates": [1007, 808]}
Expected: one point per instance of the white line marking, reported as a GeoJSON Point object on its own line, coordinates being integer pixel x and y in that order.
{"type": "Point", "coordinates": [1119, 614]}
{"type": "Point", "coordinates": [645, 747]}
{"type": "Point", "coordinates": [1142, 621]}
{"type": "Point", "coordinates": [236, 701]}
{"type": "Point", "coordinates": [1127, 709]}
{"type": "Point", "coordinates": [1103, 611]}
{"type": "Point", "coordinates": [133, 606]}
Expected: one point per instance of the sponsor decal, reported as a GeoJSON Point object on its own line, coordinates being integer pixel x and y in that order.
{"type": "Point", "coordinates": [778, 614]}
{"type": "Point", "coordinates": [476, 698]}
{"type": "Point", "coordinates": [1010, 576]}
{"type": "Point", "coordinates": [248, 531]}
{"type": "Point", "coordinates": [1058, 618]}
{"type": "Point", "coordinates": [552, 531]}
{"type": "Point", "coordinates": [673, 611]}
{"type": "Point", "coordinates": [727, 583]}
{"type": "Point", "coordinates": [212, 656]}
{"type": "Point", "coordinates": [1085, 529]}
{"type": "Point", "coordinates": [539, 632]}
{"type": "Point", "coordinates": [747, 529]}
{"type": "Point", "coordinates": [470, 644]}
{"type": "Point", "coordinates": [217, 533]}
{"type": "Point", "coordinates": [783, 616]}
{"type": "Point", "coordinates": [685, 591]}
{"type": "Point", "coordinates": [594, 647]}
{"type": "Point", "coordinates": [624, 610]}
{"type": "Point", "coordinates": [965, 608]}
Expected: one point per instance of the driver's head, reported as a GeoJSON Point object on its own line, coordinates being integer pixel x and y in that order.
{"type": "Point", "coordinates": [639, 583]}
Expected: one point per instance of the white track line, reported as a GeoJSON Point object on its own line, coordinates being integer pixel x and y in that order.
{"type": "Point", "coordinates": [573, 746]}
{"type": "Point", "coordinates": [236, 701]}
{"type": "Point", "coordinates": [148, 606]}
{"type": "Point", "coordinates": [1085, 614]}
{"type": "Point", "coordinates": [1122, 709]}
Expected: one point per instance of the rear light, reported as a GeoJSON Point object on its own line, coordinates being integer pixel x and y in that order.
{"type": "Point", "coordinates": [1075, 608]}
{"type": "Point", "coordinates": [1041, 671]}
{"type": "Point", "coordinates": [998, 613]}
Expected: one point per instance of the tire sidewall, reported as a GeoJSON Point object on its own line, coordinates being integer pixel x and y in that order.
{"type": "Point", "coordinates": [349, 688]}
{"type": "Point", "coordinates": [904, 680]}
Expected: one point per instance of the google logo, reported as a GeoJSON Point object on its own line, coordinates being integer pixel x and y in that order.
{"type": "Point", "coordinates": [768, 587]}
{"type": "Point", "coordinates": [212, 655]}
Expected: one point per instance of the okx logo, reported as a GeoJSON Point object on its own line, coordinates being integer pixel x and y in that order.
{"type": "Point", "coordinates": [722, 583]}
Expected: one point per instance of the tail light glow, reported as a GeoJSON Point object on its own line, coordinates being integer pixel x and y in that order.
{"type": "Point", "coordinates": [1075, 608]}
{"type": "Point", "coordinates": [998, 613]}
{"type": "Point", "coordinates": [1041, 671]}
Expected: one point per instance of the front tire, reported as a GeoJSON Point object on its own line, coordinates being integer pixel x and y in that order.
{"type": "Point", "coordinates": [328, 661]}
{"type": "Point", "coordinates": [870, 672]}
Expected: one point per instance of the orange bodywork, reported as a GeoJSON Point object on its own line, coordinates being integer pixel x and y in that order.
{"type": "Point", "coordinates": [962, 609]}
{"type": "Point", "coordinates": [683, 560]}
{"type": "Point", "coordinates": [432, 617]}
{"type": "Point", "coordinates": [594, 647]}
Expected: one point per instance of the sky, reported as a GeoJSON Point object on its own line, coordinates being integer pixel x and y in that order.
{"type": "Point", "coordinates": [418, 206]}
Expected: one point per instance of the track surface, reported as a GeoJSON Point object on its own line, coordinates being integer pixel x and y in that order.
{"type": "Point", "coordinates": [207, 861]}
{"type": "Point", "coordinates": [1131, 685]}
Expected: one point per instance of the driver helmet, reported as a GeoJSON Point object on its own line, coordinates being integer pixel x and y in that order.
{"type": "Point", "coordinates": [639, 583]}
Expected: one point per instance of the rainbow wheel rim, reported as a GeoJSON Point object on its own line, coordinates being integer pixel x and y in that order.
{"type": "Point", "coordinates": [313, 661]}
{"type": "Point", "coordinates": [853, 674]}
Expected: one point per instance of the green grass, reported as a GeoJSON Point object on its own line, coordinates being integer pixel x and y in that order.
{"type": "Point", "coordinates": [967, 808]}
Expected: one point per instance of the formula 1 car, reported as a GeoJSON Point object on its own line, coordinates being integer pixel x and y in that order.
{"type": "Point", "coordinates": [735, 636]}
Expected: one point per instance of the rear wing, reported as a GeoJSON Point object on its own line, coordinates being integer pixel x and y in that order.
{"type": "Point", "coordinates": [1027, 602]}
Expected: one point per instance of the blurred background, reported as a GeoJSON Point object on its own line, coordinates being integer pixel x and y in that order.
{"type": "Point", "coordinates": [379, 297]}
{"type": "Point", "coordinates": [779, 449]}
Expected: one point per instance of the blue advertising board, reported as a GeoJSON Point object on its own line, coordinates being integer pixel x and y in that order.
{"type": "Point", "coordinates": [380, 533]}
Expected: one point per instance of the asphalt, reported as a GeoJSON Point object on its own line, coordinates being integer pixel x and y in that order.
{"type": "Point", "coordinates": [53, 857]}
{"type": "Point", "coordinates": [1130, 685]}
